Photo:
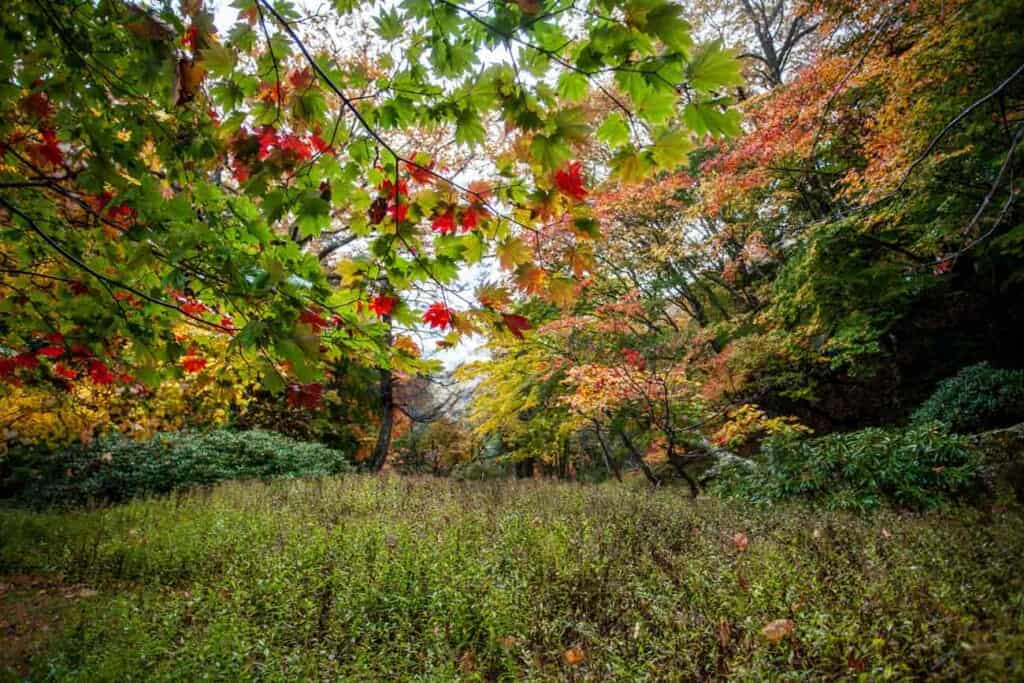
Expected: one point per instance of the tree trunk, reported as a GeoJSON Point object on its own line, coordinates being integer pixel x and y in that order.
{"type": "Point", "coordinates": [679, 464]}
{"type": "Point", "coordinates": [638, 458]}
{"type": "Point", "coordinates": [387, 404]}
{"type": "Point", "coordinates": [615, 470]}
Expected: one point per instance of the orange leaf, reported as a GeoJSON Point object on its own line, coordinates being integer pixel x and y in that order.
{"type": "Point", "coordinates": [574, 656]}
{"type": "Point", "coordinates": [777, 630]}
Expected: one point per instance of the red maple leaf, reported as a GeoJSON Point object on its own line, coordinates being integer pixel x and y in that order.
{"type": "Point", "coordinates": [64, 371]}
{"type": "Point", "coordinates": [389, 188]}
{"type": "Point", "coordinates": [516, 323]}
{"type": "Point", "coordinates": [300, 78]}
{"type": "Point", "coordinates": [193, 364]}
{"type": "Point", "coordinates": [268, 138]}
{"type": "Point", "coordinates": [55, 338]}
{"type": "Point", "coordinates": [293, 143]}
{"type": "Point", "coordinates": [189, 39]}
{"type": "Point", "coordinates": [26, 360]}
{"type": "Point", "coordinates": [569, 180]}
{"type": "Point", "coordinates": [399, 211]}
{"type": "Point", "coordinates": [320, 145]}
{"type": "Point", "coordinates": [634, 358]}
{"type": "Point", "coordinates": [470, 219]}
{"type": "Point", "coordinates": [51, 351]}
{"type": "Point", "coordinates": [444, 223]}
{"type": "Point", "coordinates": [383, 305]}
{"type": "Point", "coordinates": [50, 147]}
{"type": "Point", "coordinates": [438, 316]}
{"type": "Point", "coordinates": [7, 366]}
{"type": "Point", "coordinates": [421, 173]}
{"type": "Point", "coordinates": [193, 307]}
{"type": "Point", "coordinates": [305, 395]}
{"type": "Point", "coordinates": [99, 373]}
{"type": "Point", "coordinates": [313, 319]}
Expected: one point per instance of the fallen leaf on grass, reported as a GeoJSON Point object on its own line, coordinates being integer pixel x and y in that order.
{"type": "Point", "coordinates": [574, 656]}
{"type": "Point", "coordinates": [776, 630]}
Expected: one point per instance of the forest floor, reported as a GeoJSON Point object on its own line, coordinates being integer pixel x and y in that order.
{"type": "Point", "coordinates": [390, 578]}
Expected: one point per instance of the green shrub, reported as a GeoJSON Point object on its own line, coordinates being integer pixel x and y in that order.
{"type": "Point", "coordinates": [919, 467]}
{"type": "Point", "coordinates": [116, 468]}
{"type": "Point", "coordinates": [480, 470]}
{"type": "Point", "coordinates": [978, 398]}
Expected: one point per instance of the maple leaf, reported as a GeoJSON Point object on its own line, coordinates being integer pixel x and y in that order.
{"type": "Point", "coordinates": [438, 316]}
{"type": "Point", "coordinates": [192, 364]}
{"type": "Point", "coordinates": [313, 319]}
{"type": "Point", "coordinates": [26, 361]}
{"type": "Point", "coordinates": [421, 173]}
{"type": "Point", "coordinates": [189, 39]}
{"type": "Point", "coordinates": [64, 371]}
{"type": "Point", "coordinates": [268, 138]}
{"type": "Point", "coordinates": [399, 211]}
{"type": "Point", "coordinates": [99, 373]}
{"type": "Point", "coordinates": [55, 338]}
{"type": "Point", "coordinates": [193, 307]}
{"type": "Point", "coordinates": [375, 214]}
{"type": "Point", "coordinates": [569, 180]}
{"type": "Point", "coordinates": [293, 143]}
{"type": "Point", "coordinates": [382, 305]}
{"type": "Point", "coordinates": [300, 78]}
{"type": "Point", "coordinates": [444, 223]}
{"type": "Point", "coordinates": [308, 396]}
{"type": "Point", "coordinates": [470, 219]}
{"type": "Point", "coordinates": [393, 190]}
{"type": "Point", "coordinates": [320, 145]}
{"type": "Point", "coordinates": [227, 323]}
{"type": "Point", "coordinates": [50, 147]}
{"type": "Point", "coordinates": [51, 351]}
{"type": "Point", "coordinates": [634, 358]}
{"type": "Point", "coordinates": [516, 324]}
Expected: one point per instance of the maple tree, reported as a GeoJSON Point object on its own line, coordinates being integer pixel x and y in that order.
{"type": "Point", "coordinates": [189, 175]}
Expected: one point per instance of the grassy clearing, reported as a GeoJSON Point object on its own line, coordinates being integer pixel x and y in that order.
{"type": "Point", "coordinates": [368, 578]}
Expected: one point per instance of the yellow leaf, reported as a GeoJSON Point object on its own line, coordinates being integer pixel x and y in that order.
{"type": "Point", "coordinates": [513, 252]}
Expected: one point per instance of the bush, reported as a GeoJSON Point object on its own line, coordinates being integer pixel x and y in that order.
{"type": "Point", "coordinates": [919, 467]}
{"type": "Point", "coordinates": [116, 468]}
{"type": "Point", "coordinates": [480, 470]}
{"type": "Point", "coordinates": [978, 398]}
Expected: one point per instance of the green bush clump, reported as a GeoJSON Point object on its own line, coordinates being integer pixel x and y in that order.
{"type": "Point", "coordinates": [116, 468]}
{"type": "Point", "coordinates": [978, 398]}
{"type": "Point", "coordinates": [919, 467]}
{"type": "Point", "coordinates": [480, 470]}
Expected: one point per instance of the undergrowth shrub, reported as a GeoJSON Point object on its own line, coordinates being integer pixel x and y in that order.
{"type": "Point", "coordinates": [919, 467]}
{"type": "Point", "coordinates": [480, 470]}
{"type": "Point", "coordinates": [115, 468]}
{"type": "Point", "coordinates": [978, 398]}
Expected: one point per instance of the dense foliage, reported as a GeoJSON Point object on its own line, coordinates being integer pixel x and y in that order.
{"type": "Point", "coordinates": [394, 579]}
{"type": "Point", "coordinates": [979, 397]}
{"type": "Point", "coordinates": [114, 469]}
{"type": "Point", "coordinates": [913, 468]}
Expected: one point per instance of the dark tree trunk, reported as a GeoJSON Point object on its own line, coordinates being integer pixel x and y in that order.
{"type": "Point", "coordinates": [387, 418]}
{"type": "Point", "coordinates": [605, 451]}
{"type": "Point", "coordinates": [679, 464]}
{"type": "Point", "coordinates": [524, 469]}
{"type": "Point", "coordinates": [638, 458]}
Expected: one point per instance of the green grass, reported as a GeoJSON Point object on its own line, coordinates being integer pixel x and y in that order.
{"type": "Point", "coordinates": [368, 578]}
